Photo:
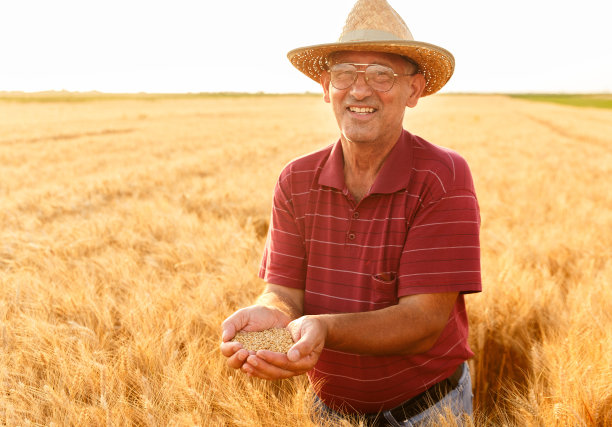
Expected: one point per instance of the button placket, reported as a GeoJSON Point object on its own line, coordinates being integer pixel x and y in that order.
{"type": "Point", "coordinates": [351, 234]}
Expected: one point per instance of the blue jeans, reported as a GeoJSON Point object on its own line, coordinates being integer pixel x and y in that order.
{"type": "Point", "coordinates": [457, 402]}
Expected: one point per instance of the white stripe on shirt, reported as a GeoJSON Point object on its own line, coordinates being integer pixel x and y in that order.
{"type": "Point", "coordinates": [432, 172]}
{"type": "Point", "coordinates": [442, 223]}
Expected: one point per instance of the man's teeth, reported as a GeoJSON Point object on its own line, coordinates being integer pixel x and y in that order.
{"type": "Point", "coordinates": [361, 110]}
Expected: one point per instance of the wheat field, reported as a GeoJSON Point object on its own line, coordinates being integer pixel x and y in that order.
{"type": "Point", "coordinates": [131, 227]}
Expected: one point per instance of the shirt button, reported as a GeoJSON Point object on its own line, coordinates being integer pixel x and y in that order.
{"type": "Point", "coordinates": [351, 236]}
{"type": "Point", "coordinates": [356, 215]}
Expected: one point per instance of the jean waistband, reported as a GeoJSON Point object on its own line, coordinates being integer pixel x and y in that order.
{"type": "Point", "coordinates": [426, 399]}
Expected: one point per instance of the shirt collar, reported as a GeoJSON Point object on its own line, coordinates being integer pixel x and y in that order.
{"type": "Point", "coordinates": [332, 174]}
{"type": "Point", "coordinates": [393, 176]}
{"type": "Point", "coordinates": [397, 169]}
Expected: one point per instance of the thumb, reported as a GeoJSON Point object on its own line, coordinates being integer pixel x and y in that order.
{"type": "Point", "coordinates": [228, 334]}
{"type": "Point", "coordinates": [229, 330]}
{"type": "Point", "coordinates": [306, 343]}
{"type": "Point", "coordinates": [233, 324]}
{"type": "Point", "coordinates": [294, 354]}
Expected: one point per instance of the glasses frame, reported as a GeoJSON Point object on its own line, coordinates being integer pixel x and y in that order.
{"type": "Point", "coordinates": [395, 75]}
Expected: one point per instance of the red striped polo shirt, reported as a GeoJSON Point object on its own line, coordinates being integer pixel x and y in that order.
{"type": "Point", "coordinates": [416, 231]}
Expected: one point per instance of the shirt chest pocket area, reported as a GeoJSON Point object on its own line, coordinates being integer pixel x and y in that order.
{"type": "Point", "coordinates": [384, 289]}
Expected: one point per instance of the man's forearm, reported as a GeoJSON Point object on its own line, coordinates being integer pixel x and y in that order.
{"type": "Point", "coordinates": [411, 327]}
{"type": "Point", "coordinates": [286, 300]}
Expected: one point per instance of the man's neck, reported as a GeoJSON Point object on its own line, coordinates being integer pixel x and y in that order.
{"type": "Point", "coordinates": [362, 163]}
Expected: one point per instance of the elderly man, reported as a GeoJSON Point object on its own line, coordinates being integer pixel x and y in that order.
{"type": "Point", "coordinates": [373, 242]}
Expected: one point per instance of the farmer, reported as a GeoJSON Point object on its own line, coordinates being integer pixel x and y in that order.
{"type": "Point", "coordinates": [373, 241]}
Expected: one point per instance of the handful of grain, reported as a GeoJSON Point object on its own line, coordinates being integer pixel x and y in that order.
{"type": "Point", "coordinates": [275, 339]}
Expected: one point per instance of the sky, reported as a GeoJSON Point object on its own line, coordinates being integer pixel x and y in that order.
{"type": "Point", "coordinates": [241, 45]}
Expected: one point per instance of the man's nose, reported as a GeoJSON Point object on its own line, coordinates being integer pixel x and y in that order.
{"type": "Point", "coordinates": [360, 88]}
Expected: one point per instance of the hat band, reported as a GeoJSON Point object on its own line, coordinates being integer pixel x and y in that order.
{"type": "Point", "coordinates": [370, 35]}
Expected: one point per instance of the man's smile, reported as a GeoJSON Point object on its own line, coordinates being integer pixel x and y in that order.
{"type": "Point", "coordinates": [362, 110]}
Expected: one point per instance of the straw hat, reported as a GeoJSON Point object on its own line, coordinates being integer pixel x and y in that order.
{"type": "Point", "coordinates": [373, 25]}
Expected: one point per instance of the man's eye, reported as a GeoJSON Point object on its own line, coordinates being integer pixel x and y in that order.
{"type": "Point", "coordinates": [380, 76]}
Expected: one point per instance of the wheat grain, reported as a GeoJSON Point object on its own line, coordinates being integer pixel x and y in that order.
{"type": "Point", "coordinates": [275, 339]}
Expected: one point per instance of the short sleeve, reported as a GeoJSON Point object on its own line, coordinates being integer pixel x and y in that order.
{"type": "Point", "coordinates": [284, 257]}
{"type": "Point", "coordinates": [442, 248]}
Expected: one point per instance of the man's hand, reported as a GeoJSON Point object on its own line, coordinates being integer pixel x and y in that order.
{"type": "Point", "coordinates": [309, 334]}
{"type": "Point", "coordinates": [253, 318]}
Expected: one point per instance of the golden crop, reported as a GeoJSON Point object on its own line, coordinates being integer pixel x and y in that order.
{"type": "Point", "coordinates": [130, 228]}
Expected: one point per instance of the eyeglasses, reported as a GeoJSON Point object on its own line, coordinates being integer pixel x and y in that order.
{"type": "Point", "coordinates": [379, 77]}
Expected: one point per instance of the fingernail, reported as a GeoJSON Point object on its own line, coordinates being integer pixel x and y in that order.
{"type": "Point", "coordinates": [253, 361]}
{"type": "Point", "coordinates": [293, 355]}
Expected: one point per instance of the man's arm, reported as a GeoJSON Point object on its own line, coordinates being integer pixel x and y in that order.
{"type": "Point", "coordinates": [411, 327]}
{"type": "Point", "coordinates": [275, 308]}
{"type": "Point", "coordinates": [288, 300]}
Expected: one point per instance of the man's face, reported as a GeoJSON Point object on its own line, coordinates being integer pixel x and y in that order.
{"type": "Point", "coordinates": [365, 115]}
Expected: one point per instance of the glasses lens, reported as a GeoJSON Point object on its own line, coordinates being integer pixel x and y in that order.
{"type": "Point", "coordinates": [343, 75]}
{"type": "Point", "coordinates": [379, 77]}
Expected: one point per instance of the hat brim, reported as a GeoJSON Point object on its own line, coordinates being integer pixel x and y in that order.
{"type": "Point", "coordinates": [435, 63]}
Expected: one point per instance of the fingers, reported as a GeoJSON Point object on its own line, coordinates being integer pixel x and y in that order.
{"type": "Point", "coordinates": [236, 355]}
{"type": "Point", "coordinates": [237, 360]}
{"type": "Point", "coordinates": [229, 348]}
{"type": "Point", "coordinates": [279, 360]}
{"type": "Point", "coordinates": [269, 365]}
{"type": "Point", "coordinates": [294, 354]}
{"type": "Point", "coordinates": [302, 348]}
{"type": "Point", "coordinates": [263, 364]}
{"type": "Point", "coordinates": [309, 334]}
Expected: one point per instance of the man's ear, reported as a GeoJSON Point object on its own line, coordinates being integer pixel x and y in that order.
{"type": "Point", "coordinates": [325, 80]}
{"type": "Point", "coordinates": [417, 86]}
